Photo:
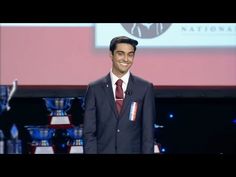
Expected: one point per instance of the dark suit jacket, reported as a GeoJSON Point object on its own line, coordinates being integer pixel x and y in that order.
{"type": "Point", "coordinates": [107, 132]}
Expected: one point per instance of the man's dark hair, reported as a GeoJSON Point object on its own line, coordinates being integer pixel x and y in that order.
{"type": "Point", "coordinates": [122, 39]}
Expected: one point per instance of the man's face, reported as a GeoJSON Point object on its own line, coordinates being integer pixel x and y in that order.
{"type": "Point", "coordinates": [122, 59]}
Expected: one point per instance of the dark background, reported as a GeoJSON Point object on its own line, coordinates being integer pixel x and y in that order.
{"type": "Point", "coordinates": [200, 124]}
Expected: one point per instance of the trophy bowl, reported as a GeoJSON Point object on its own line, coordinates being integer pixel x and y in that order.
{"type": "Point", "coordinates": [76, 132]}
{"type": "Point", "coordinates": [58, 106]}
{"type": "Point", "coordinates": [76, 135]}
{"type": "Point", "coordinates": [41, 135]}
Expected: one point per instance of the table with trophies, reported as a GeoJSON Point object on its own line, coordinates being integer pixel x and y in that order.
{"type": "Point", "coordinates": [60, 135]}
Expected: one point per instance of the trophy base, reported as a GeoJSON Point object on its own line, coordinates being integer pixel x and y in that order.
{"type": "Point", "coordinates": [156, 149]}
{"type": "Point", "coordinates": [60, 122]}
{"type": "Point", "coordinates": [43, 150]}
{"type": "Point", "coordinates": [76, 150]}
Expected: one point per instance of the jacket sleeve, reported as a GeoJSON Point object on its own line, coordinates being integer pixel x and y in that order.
{"type": "Point", "coordinates": [148, 117]}
{"type": "Point", "coordinates": [89, 132]}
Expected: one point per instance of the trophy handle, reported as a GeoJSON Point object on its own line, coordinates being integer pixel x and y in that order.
{"type": "Point", "coordinates": [69, 107]}
{"type": "Point", "coordinates": [11, 93]}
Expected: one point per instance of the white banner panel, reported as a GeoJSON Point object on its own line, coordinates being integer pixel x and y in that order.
{"type": "Point", "coordinates": [158, 35]}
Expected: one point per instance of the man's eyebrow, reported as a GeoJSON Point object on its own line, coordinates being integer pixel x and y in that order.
{"type": "Point", "coordinates": [124, 51]}
{"type": "Point", "coordinates": [120, 51]}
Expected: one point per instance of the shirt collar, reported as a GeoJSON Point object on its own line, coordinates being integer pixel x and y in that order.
{"type": "Point", "coordinates": [124, 78]}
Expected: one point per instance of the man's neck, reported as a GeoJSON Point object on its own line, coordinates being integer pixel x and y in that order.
{"type": "Point", "coordinates": [119, 75]}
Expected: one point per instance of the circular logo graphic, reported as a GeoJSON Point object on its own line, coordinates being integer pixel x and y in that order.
{"type": "Point", "coordinates": [146, 30]}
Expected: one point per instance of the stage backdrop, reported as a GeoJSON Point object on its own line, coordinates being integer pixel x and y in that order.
{"type": "Point", "coordinates": [168, 54]}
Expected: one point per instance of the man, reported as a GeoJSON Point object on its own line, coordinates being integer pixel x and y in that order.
{"type": "Point", "coordinates": [119, 108]}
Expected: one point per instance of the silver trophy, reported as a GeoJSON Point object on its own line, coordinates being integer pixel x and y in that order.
{"type": "Point", "coordinates": [41, 139]}
{"type": "Point", "coordinates": [58, 108]}
{"type": "Point", "coordinates": [75, 145]}
{"type": "Point", "coordinates": [6, 94]}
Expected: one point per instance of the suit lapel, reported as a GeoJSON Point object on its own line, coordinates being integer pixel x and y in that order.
{"type": "Point", "coordinates": [109, 93]}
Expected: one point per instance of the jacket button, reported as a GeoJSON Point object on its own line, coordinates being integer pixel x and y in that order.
{"type": "Point", "coordinates": [118, 130]}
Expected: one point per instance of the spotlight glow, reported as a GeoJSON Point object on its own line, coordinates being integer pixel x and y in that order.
{"type": "Point", "coordinates": [163, 150]}
{"type": "Point", "coordinates": [171, 115]}
{"type": "Point", "coordinates": [234, 121]}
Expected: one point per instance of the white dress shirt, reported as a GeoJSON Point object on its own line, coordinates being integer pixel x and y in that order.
{"type": "Point", "coordinates": [125, 80]}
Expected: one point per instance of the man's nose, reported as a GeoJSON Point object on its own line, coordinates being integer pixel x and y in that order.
{"type": "Point", "coordinates": [126, 58]}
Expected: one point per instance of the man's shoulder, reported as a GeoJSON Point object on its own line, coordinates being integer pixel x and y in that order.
{"type": "Point", "coordinates": [140, 80]}
{"type": "Point", "coordinates": [99, 81]}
